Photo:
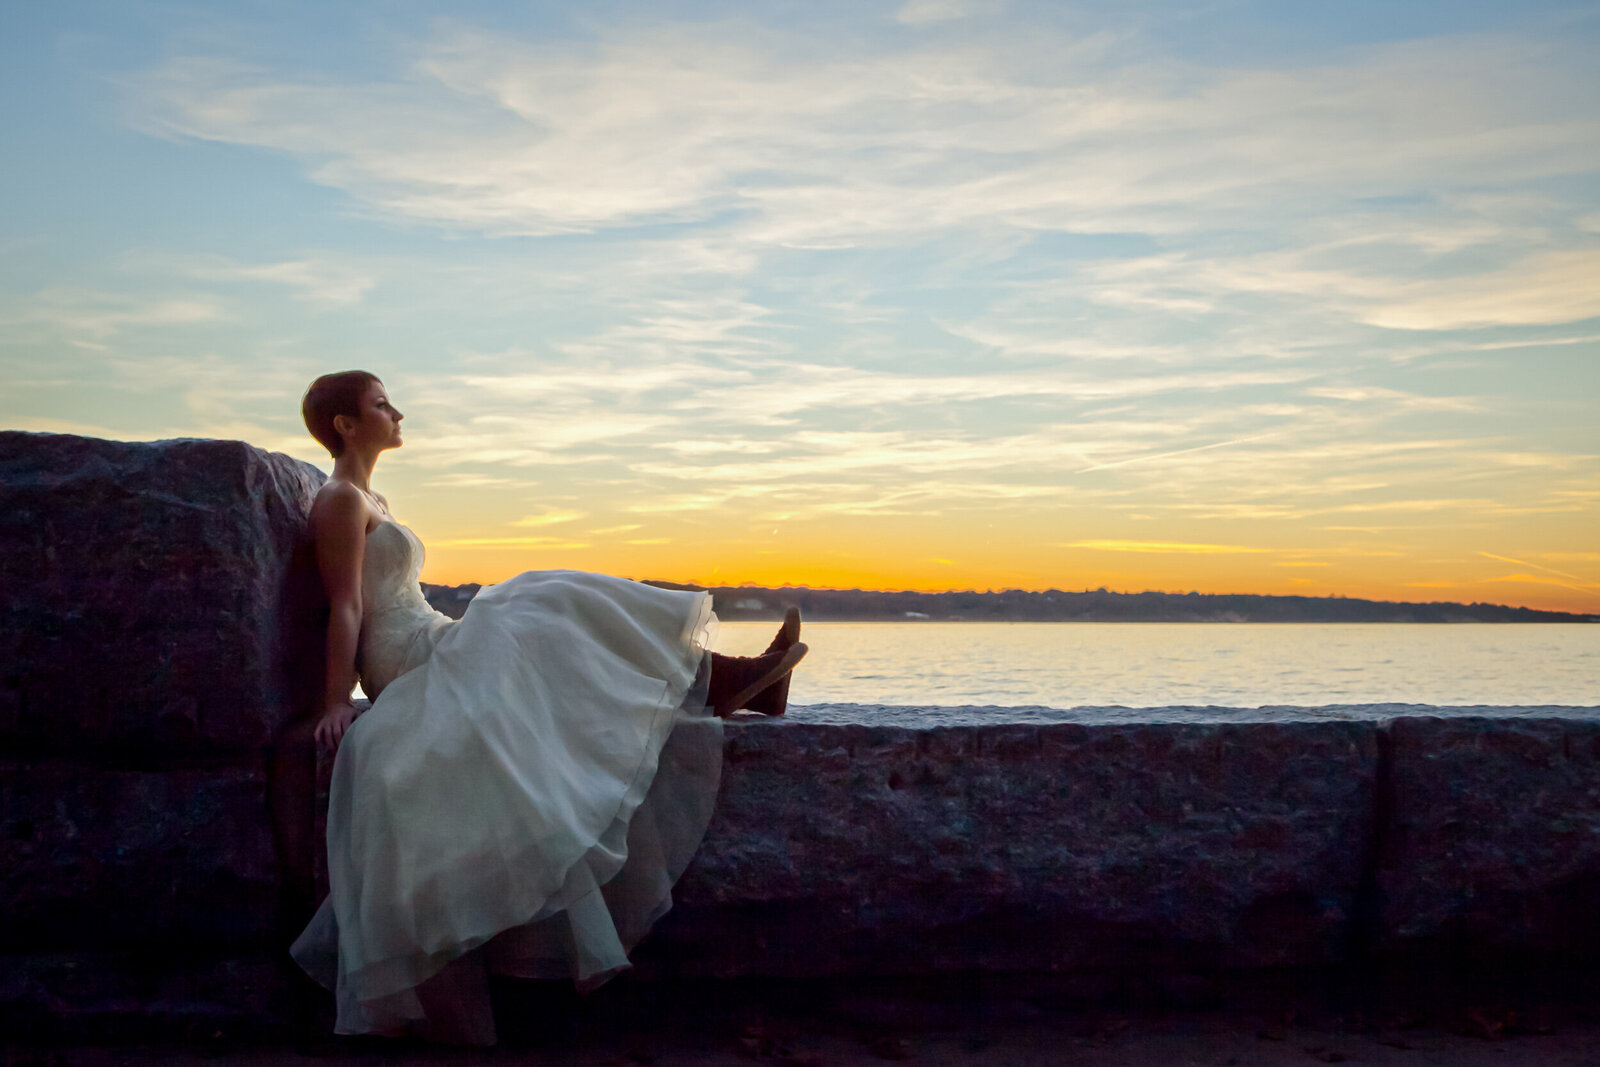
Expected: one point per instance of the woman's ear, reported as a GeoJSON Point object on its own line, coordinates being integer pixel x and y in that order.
{"type": "Point", "coordinates": [344, 425]}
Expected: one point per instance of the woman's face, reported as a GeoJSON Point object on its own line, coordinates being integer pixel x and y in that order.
{"type": "Point", "coordinates": [379, 422]}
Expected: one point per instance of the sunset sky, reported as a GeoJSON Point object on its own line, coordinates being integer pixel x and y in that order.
{"type": "Point", "coordinates": [1226, 296]}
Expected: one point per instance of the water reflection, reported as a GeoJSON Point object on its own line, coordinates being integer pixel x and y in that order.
{"type": "Point", "coordinates": [1066, 665]}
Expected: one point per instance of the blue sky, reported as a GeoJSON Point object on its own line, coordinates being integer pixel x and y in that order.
{"type": "Point", "coordinates": [949, 292]}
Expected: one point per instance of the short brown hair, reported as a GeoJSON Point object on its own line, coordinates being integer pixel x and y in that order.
{"type": "Point", "coordinates": [330, 395]}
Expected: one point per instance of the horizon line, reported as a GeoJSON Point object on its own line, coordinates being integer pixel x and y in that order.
{"type": "Point", "coordinates": [1075, 592]}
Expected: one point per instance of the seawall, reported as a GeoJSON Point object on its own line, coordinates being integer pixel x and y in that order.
{"type": "Point", "coordinates": [157, 613]}
{"type": "Point", "coordinates": [881, 839]}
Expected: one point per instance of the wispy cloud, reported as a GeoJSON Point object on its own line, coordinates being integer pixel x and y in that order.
{"type": "Point", "coordinates": [1553, 287]}
{"type": "Point", "coordinates": [1545, 579]}
{"type": "Point", "coordinates": [1374, 394]}
{"type": "Point", "coordinates": [91, 316]}
{"type": "Point", "coordinates": [920, 11]}
{"type": "Point", "coordinates": [507, 542]}
{"type": "Point", "coordinates": [467, 480]}
{"type": "Point", "coordinates": [821, 151]}
{"type": "Point", "coordinates": [1582, 582]}
{"type": "Point", "coordinates": [1164, 547]}
{"type": "Point", "coordinates": [1170, 455]}
{"type": "Point", "coordinates": [550, 518]}
{"type": "Point", "coordinates": [318, 279]}
{"type": "Point", "coordinates": [933, 266]}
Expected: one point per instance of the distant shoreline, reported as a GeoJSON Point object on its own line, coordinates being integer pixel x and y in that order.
{"type": "Point", "coordinates": [735, 603]}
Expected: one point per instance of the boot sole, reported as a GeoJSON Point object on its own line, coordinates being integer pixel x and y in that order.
{"type": "Point", "coordinates": [794, 654]}
{"type": "Point", "coordinates": [774, 700]}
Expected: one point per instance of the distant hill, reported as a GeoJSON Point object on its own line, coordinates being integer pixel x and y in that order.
{"type": "Point", "coordinates": [1057, 605]}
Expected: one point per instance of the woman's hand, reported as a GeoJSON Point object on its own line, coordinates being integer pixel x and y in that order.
{"type": "Point", "coordinates": [336, 719]}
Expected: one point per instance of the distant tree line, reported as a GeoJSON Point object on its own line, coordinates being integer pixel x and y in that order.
{"type": "Point", "coordinates": [1058, 605]}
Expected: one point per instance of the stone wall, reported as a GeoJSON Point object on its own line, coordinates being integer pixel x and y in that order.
{"type": "Point", "coordinates": [157, 609]}
{"type": "Point", "coordinates": [157, 612]}
{"type": "Point", "coordinates": [150, 605]}
{"type": "Point", "coordinates": [885, 840]}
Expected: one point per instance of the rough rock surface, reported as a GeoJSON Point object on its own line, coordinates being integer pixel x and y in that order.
{"type": "Point", "coordinates": [93, 857]}
{"type": "Point", "coordinates": [895, 847]}
{"type": "Point", "coordinates": [119, 997]}
{"type": "Point", "coordinates": [150, 597]}
{"type": "Point", "coordinates": [922, 844]}
{"type": "Point", "coordinates": [1493, 839]}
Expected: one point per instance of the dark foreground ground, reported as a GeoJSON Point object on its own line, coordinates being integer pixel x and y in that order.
{"type": "Point", "coordinates": [1171, 1041]}
{"type": "Point", "coordinates": [1506, 1019]}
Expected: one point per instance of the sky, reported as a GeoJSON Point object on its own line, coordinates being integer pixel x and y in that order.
{"type": "Point", "coordinates": [941, 294]}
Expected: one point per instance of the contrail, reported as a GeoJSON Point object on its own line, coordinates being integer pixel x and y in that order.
{"type": "Point", "coordinates": [1541, 567]}
{"type": "Point", "coordinates": [1179, 452]}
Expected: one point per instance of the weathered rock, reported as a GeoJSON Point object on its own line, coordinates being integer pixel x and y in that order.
{"type": "Point", "coordinates": [97, 857]}
{"type": "Point", "coordinates": [898, 848]}
{"type": "Point", "coordinates": [152, 601]}
{"type": "Point", "coordinates": [117, 997]}
{"type": "Point", "coordinates": [1493, 835]}
{"type": "Point", "coordinates": [1091, 848]}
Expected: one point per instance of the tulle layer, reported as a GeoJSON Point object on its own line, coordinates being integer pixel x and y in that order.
{"type": "Point", "coordinates": [521, 802]}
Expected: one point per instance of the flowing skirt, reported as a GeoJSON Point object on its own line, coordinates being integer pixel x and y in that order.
{"type": "Point", "coordinates": [520, 802]}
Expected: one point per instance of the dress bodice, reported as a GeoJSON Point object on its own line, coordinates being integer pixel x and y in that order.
{"type": "Point", "coordinates": [398, 627]}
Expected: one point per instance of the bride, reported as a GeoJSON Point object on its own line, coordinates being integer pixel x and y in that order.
{"type": "Point", "coordinates": [528, 782]}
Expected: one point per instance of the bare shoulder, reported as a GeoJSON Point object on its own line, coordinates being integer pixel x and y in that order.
{"type": "Point", "coordinates": [340, 518]}
{"type": "Point", "coordinates": [338, 506]}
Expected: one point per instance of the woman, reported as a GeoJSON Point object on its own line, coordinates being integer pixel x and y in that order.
{"type": "Point", "coordinates": [482, 809]}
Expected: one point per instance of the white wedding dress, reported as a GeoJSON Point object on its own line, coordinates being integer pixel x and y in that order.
{"type": "Point", "coordinates": [527, 786]}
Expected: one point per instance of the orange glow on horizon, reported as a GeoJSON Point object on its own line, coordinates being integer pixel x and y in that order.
{"type": "Point", "coordinates": [1427, 546]}
{"type": "Point", "coordinates": [1383, 579]}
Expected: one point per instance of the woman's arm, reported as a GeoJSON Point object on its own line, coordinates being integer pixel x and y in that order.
{"type": "Point", "coordinates": [339, 528]}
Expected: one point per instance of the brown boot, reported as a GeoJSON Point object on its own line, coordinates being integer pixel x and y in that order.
{"type": "Point", "coordinates": [788, 633]}
{"type": "Point", "coordinates": [736, 681]}
{"type": "Point", "coordinates": [774, 699]}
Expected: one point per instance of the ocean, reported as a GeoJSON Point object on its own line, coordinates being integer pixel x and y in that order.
{"type": "Point", "coordinates": [1077, 664]}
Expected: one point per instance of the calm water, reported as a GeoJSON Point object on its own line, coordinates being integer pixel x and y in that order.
{"type": "Point", "coordinates": [1158, 664]}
